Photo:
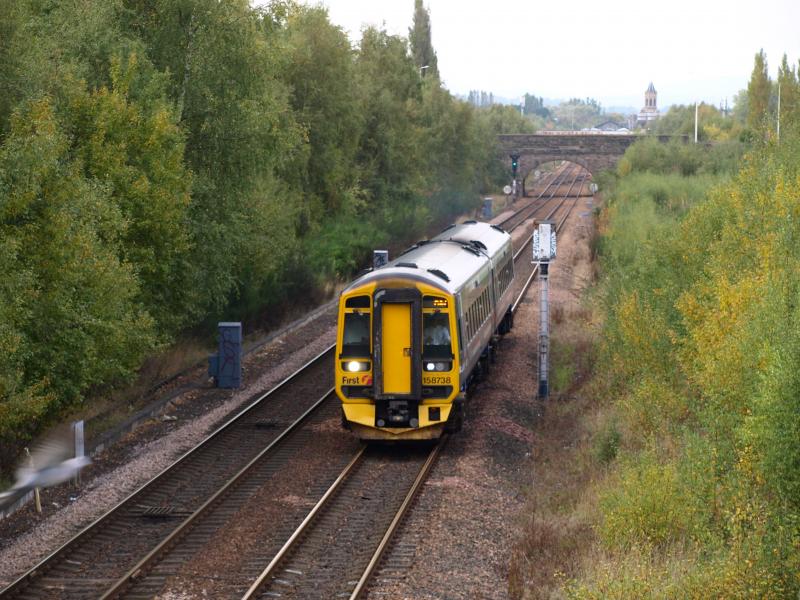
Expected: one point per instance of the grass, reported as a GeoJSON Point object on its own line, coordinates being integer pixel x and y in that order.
{"type": "Point", "coordinates": [659, 477]}
{"type": "Point", "coordinates": [563, 368]}
{"type": "Point", "coordinates": [105, 410]}
{"type": "Point", "coordinates": [556, 523]}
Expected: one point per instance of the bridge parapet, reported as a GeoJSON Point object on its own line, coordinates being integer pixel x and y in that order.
{"type": "Point", "coordinates": [594, 151]}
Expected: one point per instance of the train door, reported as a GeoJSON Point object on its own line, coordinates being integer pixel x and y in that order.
{"type": "Point", "coordinates": [398, 356]}
{"type": "Point", "coordinates": [396, 347]}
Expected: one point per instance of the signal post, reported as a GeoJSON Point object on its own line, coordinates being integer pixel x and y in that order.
{"type": "Point", "coordinates": [544, 251]}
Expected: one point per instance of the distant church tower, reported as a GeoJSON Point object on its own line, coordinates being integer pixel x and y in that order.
{"type": "Point", "coordinates": [649, 111]}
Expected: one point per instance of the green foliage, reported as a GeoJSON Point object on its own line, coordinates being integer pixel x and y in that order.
{"type": "Point", "coordinates": [645, 503]}
{"type": "Point", "coordinates": [320, 73]}
{"type": "Point", "coordinates": [165, 163]}
{"type": "Point", "coordinates": [789, 96]}
{"type": "Point", "coordinates": [563, 371]}
{"type": "Point", "coordinates": [82, 325]}
{"type": "Point", "coordinates": [712, 125]}
{"type": "Point", "coordinates": [388, 84]}
{"type": "Point", "coordinates": [683, 158]}
{"type": "Point", "coordinates": [419, 37]}
{"type": "Point", "coordinates": [606, 443]}
{"type": "Point", "coordinates": [136, 153]}
{"type": "Point", "coordinates": [758, 91]}
{"type": "Point", "coordinates": [535, 106]}
{"type": "Point", "coordinates": [343, 246]}
{"type": "Point", "coordinates": [700, 352]}
{"type": "Point", "coordinates": [577, 114]}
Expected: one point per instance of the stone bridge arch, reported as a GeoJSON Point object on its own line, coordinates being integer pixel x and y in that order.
{"type": "Point", "coordinates": [593, 151]}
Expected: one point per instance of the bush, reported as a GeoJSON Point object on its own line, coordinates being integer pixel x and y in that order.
{"type": "Point", "coordinates": [644, 504]}
{"type": "Point", "coordinates": [700, 346]}
{"type": "Point", "coordinates": [606, 443]}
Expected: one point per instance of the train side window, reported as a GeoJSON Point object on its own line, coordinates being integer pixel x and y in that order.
{"type": "Point", "coordinates": [356, 334]}
{"type": "Point", "coordinates": [472, 321]}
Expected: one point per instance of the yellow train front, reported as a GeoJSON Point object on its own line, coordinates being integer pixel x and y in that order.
{"type": "Point", "coordinates": [412, 334]}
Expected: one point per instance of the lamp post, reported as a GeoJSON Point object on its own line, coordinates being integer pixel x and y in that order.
{"type": "Point", "coordinates": [422, 69]}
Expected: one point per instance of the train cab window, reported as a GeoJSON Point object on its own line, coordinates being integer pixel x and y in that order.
{"type": "Point", "coordinates": [436, 341]}
{"type": "Point", "coordinates": [355, 340]}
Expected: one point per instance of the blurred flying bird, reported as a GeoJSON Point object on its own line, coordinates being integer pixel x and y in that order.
{"type": "Point", "coordinates": [50, 463]}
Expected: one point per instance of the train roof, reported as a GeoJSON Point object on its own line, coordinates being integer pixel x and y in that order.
{"type": "Point", "coordinates": [489, 238]}
{"type": "Point", "coordinates": [448, 260]}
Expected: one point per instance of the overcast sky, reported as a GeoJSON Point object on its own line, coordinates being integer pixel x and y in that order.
{"type": "Point", "coordinates": [611, 51]}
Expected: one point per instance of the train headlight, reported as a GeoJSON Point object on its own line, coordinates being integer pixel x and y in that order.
{"type": "Point", "coordinates": [354, 366]}
{"type": "Point", "coordinates": [438, 366]}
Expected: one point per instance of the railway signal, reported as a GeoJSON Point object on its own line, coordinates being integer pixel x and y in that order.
{"type": "Point", "coordinates": [544, 251]}
{"type": "Point", "coordinates": [514, 164]}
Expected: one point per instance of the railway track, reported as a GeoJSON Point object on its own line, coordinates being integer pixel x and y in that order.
{"type": "Point", "coordinates": [138, 547]}
{"type": "Point", "coordinates": [98, 556]}
{"type": "Point", "coordinates": [534, 269]}
{"type": "Point", "coordinates": [549, 192]}
{"type": "Point", "coordinates": [333, 552]}
{"type": "Point", "coordinates": [338, 547]}
{"type": "Point", "coordinates": [388, 538]}
{"type": "Point", "coordinates": [150, 575]}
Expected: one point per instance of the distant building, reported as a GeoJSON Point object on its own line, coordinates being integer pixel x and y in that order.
{"type": "Point", "coordinates": [649, 111]}
{"type": "Point", "coordinates": [608, 126]}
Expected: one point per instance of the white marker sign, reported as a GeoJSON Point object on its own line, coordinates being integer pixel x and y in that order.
{"type": "Point", "coordinates": [544, 242]}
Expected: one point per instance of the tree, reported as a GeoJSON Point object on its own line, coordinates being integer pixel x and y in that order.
{"type": "Point", "coordinates": [577, 113]}
{"type": "Point", "coordinates": [242, 137]}
{"type": "Point", "coordinates": [758, 92]}
{"type": "Point", "coordinates": [535, 106]}
{"type": "Point", "coordinates": [10, 19]}
{"type": "Point", "coordinates": [320, 73]}
{"type": "Point", "coordinates": [78, 319]}
{"type": "Point", "coordinates": [421, 46]}
{"type": "Point", "coordinates": [135, 150]}
{"type": "Point", "coordinates": [789, 94]}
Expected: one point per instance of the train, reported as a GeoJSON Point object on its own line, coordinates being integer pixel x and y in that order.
{"type": "Point", "coordinates": [413, 334]}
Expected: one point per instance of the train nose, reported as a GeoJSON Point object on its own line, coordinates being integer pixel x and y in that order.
{"type": "Point", "coordinates": [398, 413]}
